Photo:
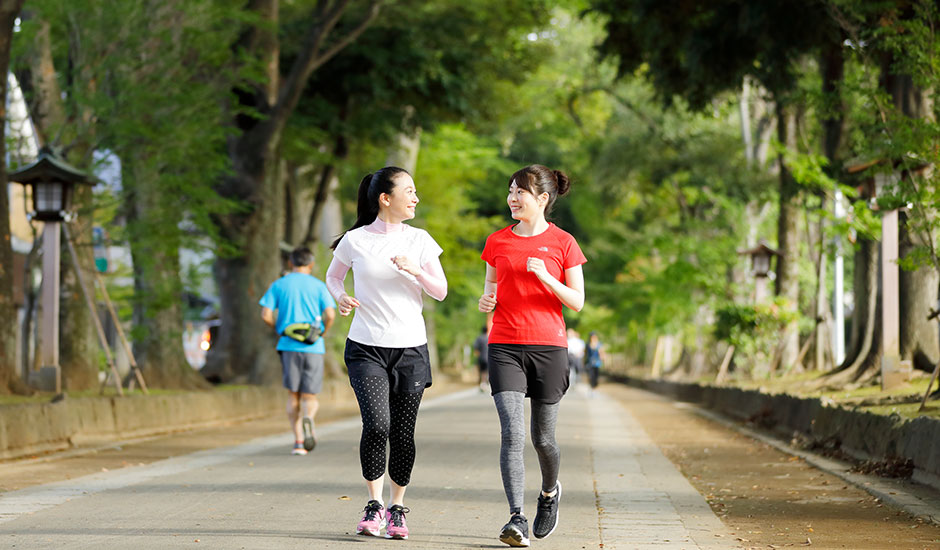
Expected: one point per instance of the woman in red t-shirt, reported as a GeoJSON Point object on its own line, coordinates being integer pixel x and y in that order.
{"type": "Point", "coordinates": [533, 268]}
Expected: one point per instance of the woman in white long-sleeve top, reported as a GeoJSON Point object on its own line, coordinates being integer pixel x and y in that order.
{"type": "Point", "coordinates": [393, 265]}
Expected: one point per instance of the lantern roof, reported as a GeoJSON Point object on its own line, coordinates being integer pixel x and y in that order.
{"type": "Point", "coordinates": [761, 248]}
{"type": "Point", "coordinates": [860, 164]}
{"type": "Point", "coordinates": [50, 167]}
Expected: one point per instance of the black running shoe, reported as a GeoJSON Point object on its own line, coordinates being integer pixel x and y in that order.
{"type": "Point", "coordinates": [546, 517]}
{"type": "Point", "coordinates": [516, 532]}
{"type": "Point", "coordinates": [309, 441]}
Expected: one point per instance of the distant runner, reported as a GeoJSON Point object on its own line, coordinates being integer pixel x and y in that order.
{"type": "Point", "coordinates": [305, 311]}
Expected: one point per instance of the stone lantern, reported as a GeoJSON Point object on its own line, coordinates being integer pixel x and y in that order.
{"type": "Point", "coordinates": [760, 268]}
{"type": "Point", "coordinates": [51, 181]}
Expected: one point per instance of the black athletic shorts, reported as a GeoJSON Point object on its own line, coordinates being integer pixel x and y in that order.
{"type": "Point", "coordinates": [407, 369]}
{"type": "Point", "coordinates": [541, 372]}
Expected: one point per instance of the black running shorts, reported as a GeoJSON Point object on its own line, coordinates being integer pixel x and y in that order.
{"type": "Point", "coordinates": [407, 369]}
{"type": "Point", "coordinates": [541, 372]}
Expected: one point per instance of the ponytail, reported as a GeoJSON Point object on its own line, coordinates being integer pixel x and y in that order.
{"type": "Point", "coordinates": [370, 188]}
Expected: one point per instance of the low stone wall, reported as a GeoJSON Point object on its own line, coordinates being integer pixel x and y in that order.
{"type": "Point", "coordinates": [32, 428]}
{"type": "Point", "coordinates": [863, 435]}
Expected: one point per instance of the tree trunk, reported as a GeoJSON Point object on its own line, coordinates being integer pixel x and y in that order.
{"type": "Point", "coordinates": [918, 292]}
{"type": "Point", "coordinates": [832, 69]}
{"type": "Point", "coordinates": [820, 340]}
{"type": "Point", "coordinates": [298, 200]}
{"type": "Point", "coordinates": [327, 185]}
{"type": "Point", "coordinates": [9, 378]}
{"type": "Point", "coordinates": [78, 344]}
{"type": "Point", "coordinates": [80, 351]}
{"type": "Point", "coordinates": [245, 350]}
{"type": "Point", "coordinates": [158, 288]}
{"type": "Point", "coordinates": [48, 110]}
{"type": "Point", "coordinates": [864, 350]}
{"type": "Point", "coordinates": [918, 296]}
{"type": "Point", "coordinates": [788, 236]}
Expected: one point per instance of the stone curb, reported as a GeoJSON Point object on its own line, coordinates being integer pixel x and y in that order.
{"type": "Point", "coordinates": [862, 435]}
{"type": "Point", "coordinates": [33, 428]}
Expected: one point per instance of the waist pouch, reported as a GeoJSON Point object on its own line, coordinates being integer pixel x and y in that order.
{"type": "Point", "coordinates": [306, 333]}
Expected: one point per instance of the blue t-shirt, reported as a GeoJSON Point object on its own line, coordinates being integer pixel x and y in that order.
{"type": "Point", "coordinates": [298, 298]}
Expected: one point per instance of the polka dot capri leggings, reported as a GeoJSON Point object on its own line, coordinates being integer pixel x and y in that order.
{"type": "Point", "coordinates": [386, 416]}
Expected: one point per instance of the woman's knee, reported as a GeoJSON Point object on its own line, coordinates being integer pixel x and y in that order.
{"type": "Point", "coordinates": [378, 428]}
{"type": "Point", "coordinates": [544, 443]}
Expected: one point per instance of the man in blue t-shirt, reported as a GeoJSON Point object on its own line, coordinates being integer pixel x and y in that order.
{"type": "Point", "coordinates": [305, 311]}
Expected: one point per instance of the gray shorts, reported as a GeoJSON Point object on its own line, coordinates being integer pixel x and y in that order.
{"type": "Point", "coordinates": [302, 372]}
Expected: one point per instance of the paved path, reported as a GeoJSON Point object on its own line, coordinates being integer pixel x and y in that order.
{"type": "Point", "coordinates": [620, 492]}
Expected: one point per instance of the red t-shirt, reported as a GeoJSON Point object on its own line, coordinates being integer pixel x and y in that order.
{"type": "Point", "coordinates": [527, 312]}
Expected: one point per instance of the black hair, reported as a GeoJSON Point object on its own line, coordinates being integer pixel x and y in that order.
{"type": "Point", "coordinates": [538, 179]}
{"type": "Point", "coordinates": [301, 257]}
{"type": "Point", "coordinates": [370, 188]}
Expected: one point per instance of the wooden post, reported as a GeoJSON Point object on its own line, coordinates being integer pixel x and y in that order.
{"type": "Point", "coordinates": [90, 302]}
{"type": "Point", "coordinates": [725, 363]}
{"type": "Point", "coordinates": [893, 371]}
{"type": "Point", "coordinates": [838, 312]}
{"type": "Point", "coordinates": [760, 289]}
{"type": "Point", "coordinates": [657, 366]}
{"type": "Point", "coordinates": [50, 301]}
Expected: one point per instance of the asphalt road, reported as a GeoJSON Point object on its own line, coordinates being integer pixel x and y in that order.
{"type": "Point", "coordinates": [619, 491]}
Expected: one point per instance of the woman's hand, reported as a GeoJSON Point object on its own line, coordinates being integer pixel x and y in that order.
{"type": "Point", "coordinates": [488, 302]}
{"type": "Point", "coordinates": [405, 264]}
{"type": "Point", "coordinates": [537, 267]}
{"type": "Point", "coordinates": [346, 303]}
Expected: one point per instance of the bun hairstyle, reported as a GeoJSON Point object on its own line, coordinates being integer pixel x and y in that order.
{"type": "Point", "coordinates": [370, 188]}
{"type": "Point", "coordinates": [538, 179]}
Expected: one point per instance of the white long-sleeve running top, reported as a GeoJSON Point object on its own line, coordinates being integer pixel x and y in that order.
{"type": "Point", "coordinates": [390, 300]}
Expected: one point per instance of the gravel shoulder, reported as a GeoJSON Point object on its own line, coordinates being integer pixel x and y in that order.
{"type": "Point", "coordinates": [767, 498]}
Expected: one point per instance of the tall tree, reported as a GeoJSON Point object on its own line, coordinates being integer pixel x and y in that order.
{"type": "Point", "coordinates": [698, 51]}
{"type": "Point", "coordinates": [64, 121]}
{"type": "Point", "coordinates": [919, 281]}
{"type": "Point", "coordinates": [146, 83]}
{"type": "Point", "coordinates": [896, 42]}
{"type": "Point", "coordinates": [170, 163]}
{"type": "Point", "coordinates": [243, 349]}
{"type": "Point", "coordinates": [9, 379]}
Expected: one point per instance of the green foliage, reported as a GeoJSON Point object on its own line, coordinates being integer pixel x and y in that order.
{"type": "Point", "coordinates": [149, 84]}
{"type": "Point", "coordinates": [699, 50]}
{"type": "Point", "coordinates": [901, 40]}
{"type": "Point", "coordinates": [453, 162]}
{"type": "Point", "coordinates": [753, 330]}
{"type": "Point", "coordinates": [630, 97]}
{"type": "Point", "coordinates": [418, 65]}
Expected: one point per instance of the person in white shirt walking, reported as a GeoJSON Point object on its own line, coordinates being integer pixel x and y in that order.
{"type": "Point", "coordinates": [575, 355]}
{"type": "Point", "coordinates": [393, 265]}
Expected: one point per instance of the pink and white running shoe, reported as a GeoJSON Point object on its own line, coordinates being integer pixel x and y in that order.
{"type": "Point", "coordinates": [397, 528]}
{"type": "Point", "coordinates": [373, 520]}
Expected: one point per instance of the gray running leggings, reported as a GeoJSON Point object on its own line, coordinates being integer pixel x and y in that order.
{"type": "Point", "coordinates": [511, 408]}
